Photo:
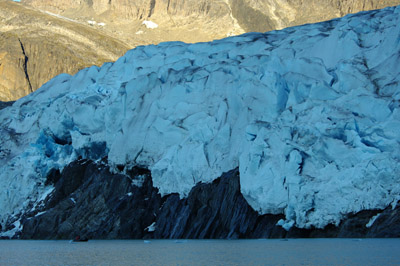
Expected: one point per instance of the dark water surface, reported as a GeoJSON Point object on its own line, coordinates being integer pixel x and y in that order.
{"type": "Point", "coordinates": [202, 252]}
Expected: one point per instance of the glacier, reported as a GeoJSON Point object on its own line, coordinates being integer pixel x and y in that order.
{"type": "Point", "coordinates": [309, 114]}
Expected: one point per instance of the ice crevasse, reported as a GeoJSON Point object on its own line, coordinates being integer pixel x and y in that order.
{"type": "Point", "coordinates": [310, 115]}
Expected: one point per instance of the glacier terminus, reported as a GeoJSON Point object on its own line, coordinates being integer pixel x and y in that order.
{"type": "Point", "coordinates": [310, 115]}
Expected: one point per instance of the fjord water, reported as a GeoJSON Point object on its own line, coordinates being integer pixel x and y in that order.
{"type": "Point", "coordinates": [203, 252]}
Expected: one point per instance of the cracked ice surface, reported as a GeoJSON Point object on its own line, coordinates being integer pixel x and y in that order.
{"type": "Point", "coordinates": [310, 115]}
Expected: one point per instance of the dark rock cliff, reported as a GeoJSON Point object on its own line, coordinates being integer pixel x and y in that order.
{"type": "Point", "coordinates": [91, 202]}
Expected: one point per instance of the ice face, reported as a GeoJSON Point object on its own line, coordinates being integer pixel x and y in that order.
{"type": "Point", "coordinates": [309, 114]}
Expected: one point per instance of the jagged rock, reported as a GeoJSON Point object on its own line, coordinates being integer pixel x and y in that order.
{"type": "Point", "coordinates": [142, 9]}
{"type": "Point", "coordinates": [30, 56]}
{"type": "Point", "coordinates": [387, 223]}
{"type": "Point", "coordinates": [91, 202]}
{"type": "Point", "coordinates": [13, 79]}
{"type": "Point", "coordinates": [263, 15]}
{"type": "Point", "coordinates": [268, 15]}
{"type": "Point", "coordinates": [215, 210]}
{"type": "Point", "coordinates": [35, 47]}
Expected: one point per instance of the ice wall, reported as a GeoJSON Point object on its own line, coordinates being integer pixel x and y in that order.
{"type": "Point", "coordinates": [309, 114]}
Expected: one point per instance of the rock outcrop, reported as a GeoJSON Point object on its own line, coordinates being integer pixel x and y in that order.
{"type": "Point", "coordinates": [142, 9]}
{"type": "Point", "coordinates": [263, 15]}
{"type": "Point", "coordinates": [53, 44]}
{"type": "Point", "coordinates": [34, 47]}
{"type": "Point", "coordinates": [14, 81]}
{"type": "Point", "coordinates": [268, 15]}
{"type": "Point", "coordinates": [91, 202]}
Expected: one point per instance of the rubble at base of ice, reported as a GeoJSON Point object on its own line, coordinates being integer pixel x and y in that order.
{"type": "Point", "coordinates": [309, 114]}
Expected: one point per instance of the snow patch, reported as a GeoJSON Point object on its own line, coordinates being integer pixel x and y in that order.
{"type": "Point", "coordinates": [17, 227]}
{"type": "Point", "coordinates": [150, 24]}
{"type": "Point", "coordinates": [151, 228]}
{"type": "Point", "coordinates": [40, 213]}
{"type": "Point", "coordinates": [372, 220]}
{"type": "Point", "coordinates": [138, 181]}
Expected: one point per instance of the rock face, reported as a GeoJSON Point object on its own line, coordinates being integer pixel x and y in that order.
{"type": "Point", "coordinates": [32, 55]}
{"type": "Point", "coordinates": [15, 81]}
{"type": "Point", "coordinates": [26, 55]}
{"type": "Point", "coordinates": [91, 202]}
{"type": "Point", "coordinates": [267, 15]}
{"type": "Point", "coordinates": [262, 15]}
{"type": "Point", "coordinates": [142, 9]}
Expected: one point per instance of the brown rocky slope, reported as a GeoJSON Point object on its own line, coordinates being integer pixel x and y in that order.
{"type": "Point", "coordinates": [42, 38]}
{"type": "Point", "coordinates": [251, 15]}
{"type": "Point", "coordinates": [34, 47]}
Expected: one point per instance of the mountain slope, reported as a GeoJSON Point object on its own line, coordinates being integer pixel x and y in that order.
{"type": "Point", "coordinates": [309, 114]}
{"type": "Point", "coordinates": [35, 47]}
{"type": "Point", "coordinates": [264, 15]}
{"type": "Point", "coordinates": [70, 35]}
{"type": "Point", "coordinates": [229, 15]}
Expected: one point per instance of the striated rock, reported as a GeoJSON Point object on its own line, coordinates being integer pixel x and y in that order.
{"type": "Point", "coordinates": [261, 15]}
{"type": "Point", "coordinates": [26, 53]}
{"type": "Point", "coordinates": [57, 5]}
{"type": "Point", "coordinates": [91, 202]}
{"type": "Point", "coordinates": [387, 223]}
{"type": "Point", "coordinates": [215, 210]}
{"type": "Point", "coordinates": [14, 81]}
{"type": "Point", "coordinates": [34, 47]}
{"type": "Point", "coordinates": [141, 9]}
{"type": "Point", "coordinates": [268, 15]}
